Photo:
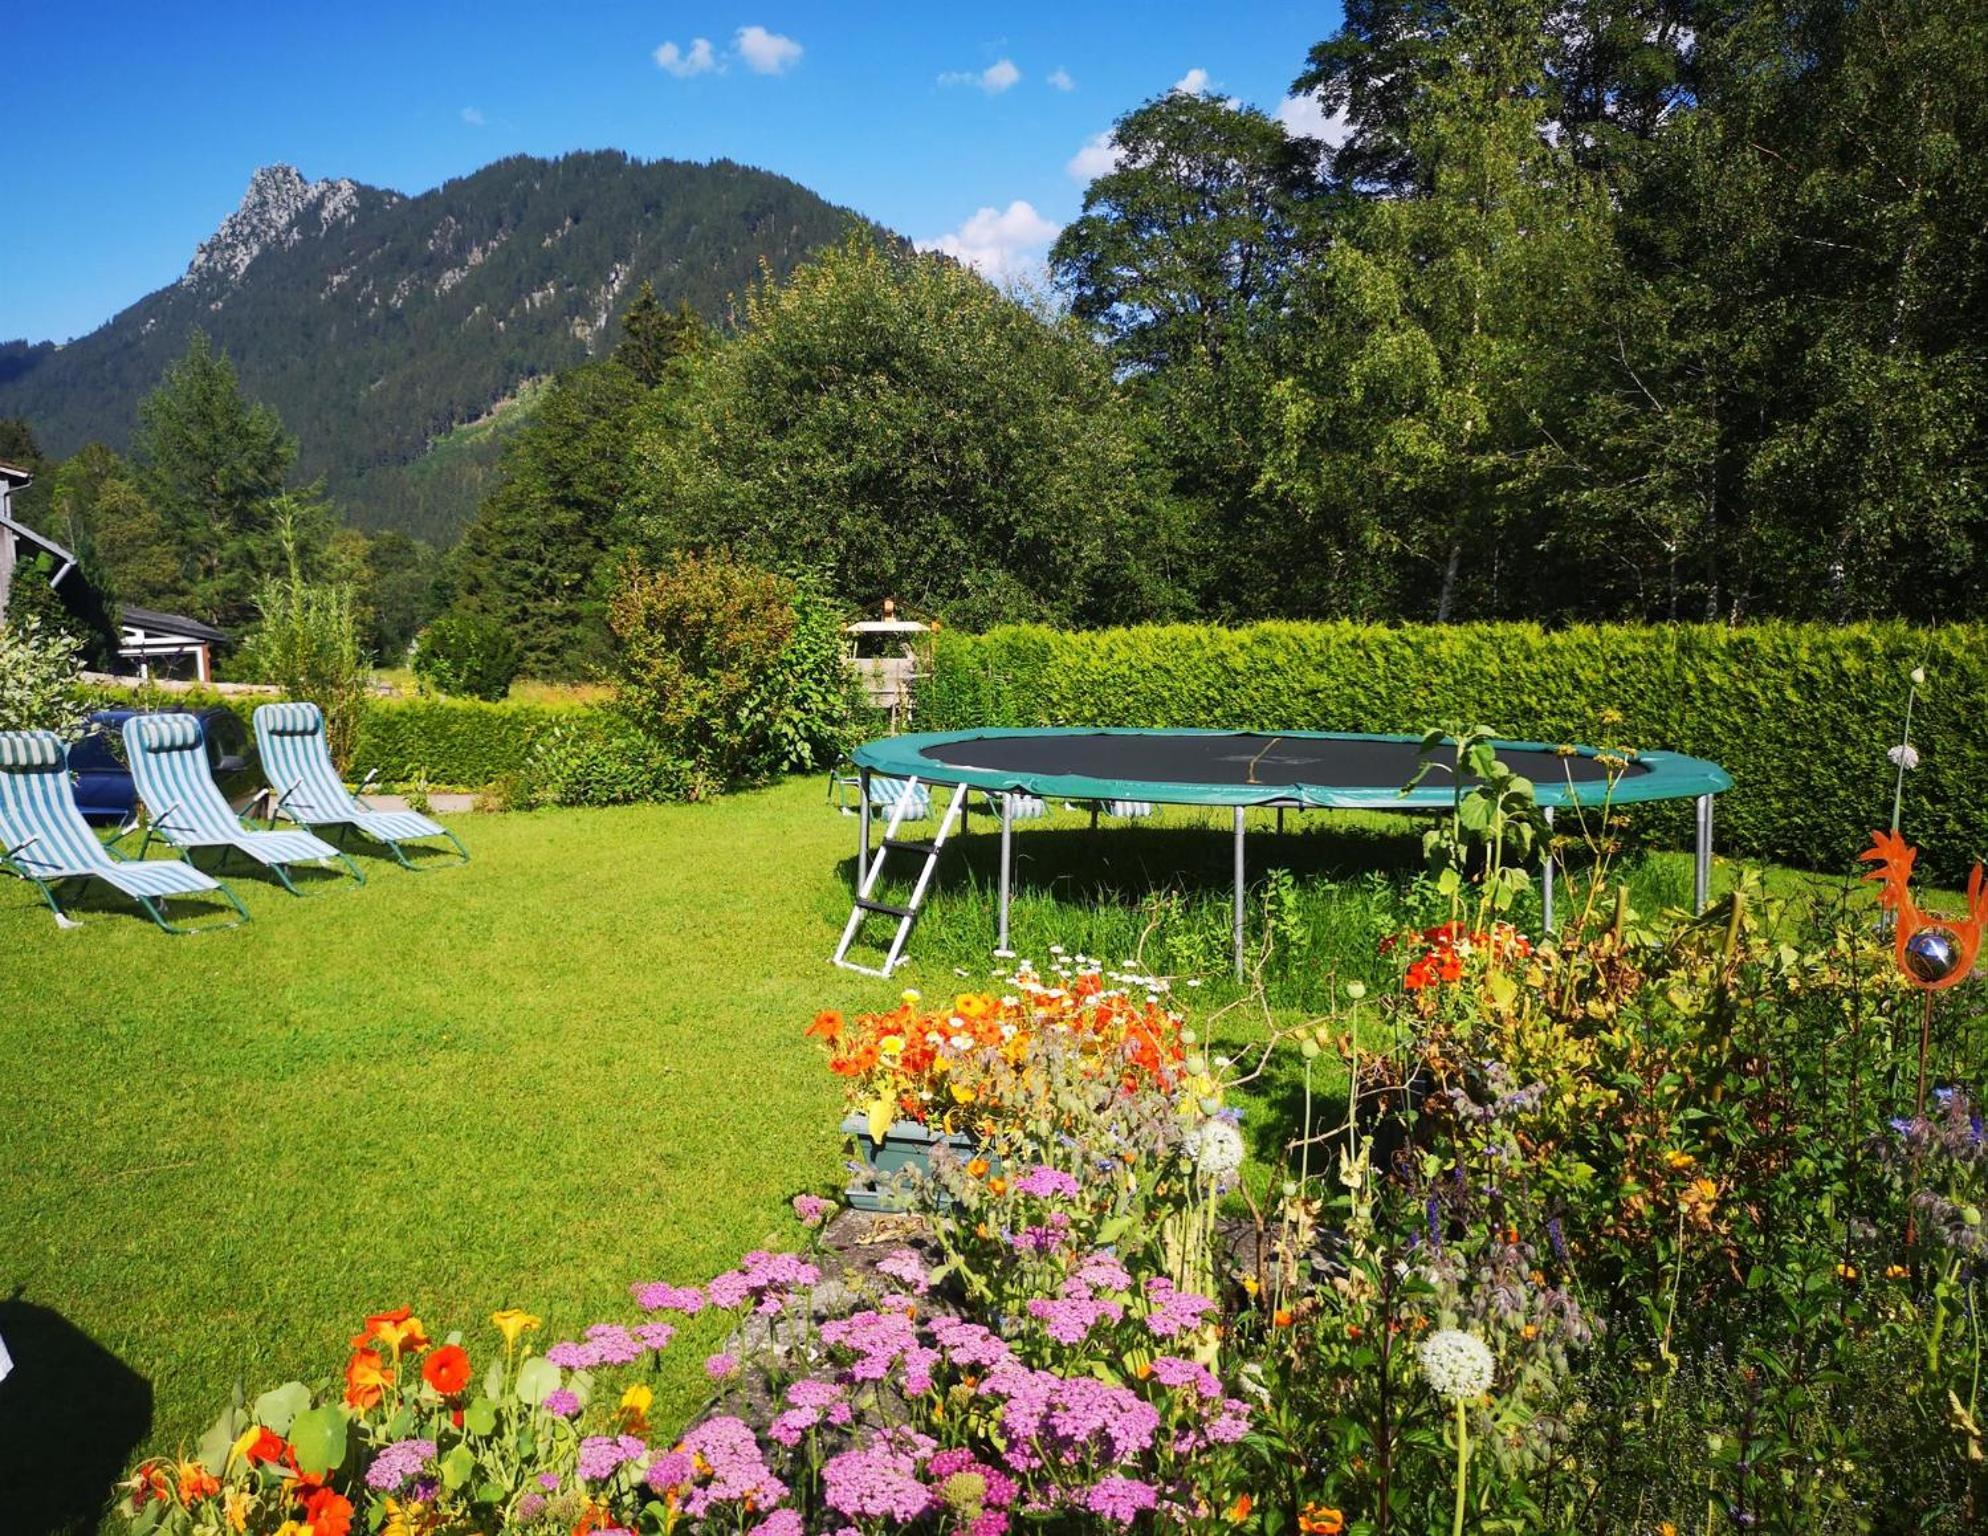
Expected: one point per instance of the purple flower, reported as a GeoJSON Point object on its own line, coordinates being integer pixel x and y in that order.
{"type": "Point", "coordinates": [1171, 1371]}
{"type": "Point", "coordinates": [670, 1469]}
{"type": "Point", "coordinates": [1120, 1498]}
{"type": "Point", "coordinates": [812, 1210]}
{"type": "Point", "coordinates": [877, 1338]}
{"type": "Point", "coordinates": [764, 1278]}
{"type": "Point", "coordinates": [397, 1463]}
{"type": "Point", "coordinates": [659, 1297]}
{"type": "Point", "coordinates": [969, 1344]}
{"type": "Point", "coordinates": [1233, 1423]}
{"type": "Point", "coordinates": [877, 1482]}
{"type": "Point", "coordinates": [561, 1404]}
{"type": "Point", "coordinates": [1069, 1319]}
{"type": "Point", "coordinates": [612, 1345]}
{"type": "Point", "coordinates": [811, 1393]}
{"type": "Point", "coordinates": [655, 1335]}
{"type": "Point", "coordinates": [738, 1470]}
{"type": "Point", "coordinates": [549, 1481]}
{"type": "Point", "coordinates": [601, 1455]}
{"type": "Point", "coordinates": [574, 1357]}
{"type": "Point", "coordinates": [719, 1366]}
{"type": "Point", "coordinates": [1171, 1312]}
{"type": "Point", "coordinates": [792, 1425]}
{"type": "Point", "coordinates": [904, 1265]}
{"type": "Point", "coordinates": [782, 1522]}
{"type": "Point", "coordinates": [1044, 1182]}
{"type": "Point", "coordinates": [1101, 1271]}
{"type": "Point", "coordinates": [530, 1507]}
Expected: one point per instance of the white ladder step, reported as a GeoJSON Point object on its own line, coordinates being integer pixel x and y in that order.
{"type": "Point", "coordinates": [866, 903]}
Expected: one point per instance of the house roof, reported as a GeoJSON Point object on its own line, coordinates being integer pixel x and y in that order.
{"type": "Point", "coordinates": [176, 624]}
{"type": "Point", "coordinates": [64, 560]}
{"type": "Point", "coordinates": [15, 473]}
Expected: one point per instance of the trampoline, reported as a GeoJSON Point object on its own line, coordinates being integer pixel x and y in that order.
{"type": "Point", "coordinates": [1241, 770]}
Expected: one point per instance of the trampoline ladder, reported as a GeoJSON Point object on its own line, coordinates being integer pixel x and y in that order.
{"type": "Point", "coordinates": [906, 915]}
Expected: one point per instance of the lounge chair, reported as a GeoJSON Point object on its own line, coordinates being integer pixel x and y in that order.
{"type": "Point", "coordinates": [307, 789]}
{"type": "Point", "coordinates": [168, 758]}
{"type": "Point", "coordinates": [44, 839]}
{"type": "Point", "coordinates": [886, 792]}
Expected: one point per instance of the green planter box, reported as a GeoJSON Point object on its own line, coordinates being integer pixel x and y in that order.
{"type": "Point", "coordinates": [906, 1145]}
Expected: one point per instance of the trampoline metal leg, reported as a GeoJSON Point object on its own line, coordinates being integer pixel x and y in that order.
{"type": "Point", "coordinates": [1239, 893]}
{"type": "Point", "coordinates": [1280, 821]}
{"type": "Point", "coordinates": [862, 826]}
{"type": "Point", "coordinates": [1007, 871]}
{"type": "Point", "coordinates": [1701, 874]}
{"type": "Point", "coordinates": [1546, 878]}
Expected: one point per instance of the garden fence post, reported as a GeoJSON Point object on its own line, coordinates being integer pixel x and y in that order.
{"type": "Point", "coordinates": [1239, 893]}
{"type": "Point", "coordinates": [1701, 883]}
{"type": "Point", "coordinates": [1546, 878]}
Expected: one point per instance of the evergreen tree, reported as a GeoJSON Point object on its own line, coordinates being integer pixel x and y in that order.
{"type": "Point", "coordinates": [653, 338]}
{"type": "Point", "coordinates": [213, 463]}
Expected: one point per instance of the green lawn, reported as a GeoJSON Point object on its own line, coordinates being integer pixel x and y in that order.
{"type": "Point", "coordinates": [573, 1064]}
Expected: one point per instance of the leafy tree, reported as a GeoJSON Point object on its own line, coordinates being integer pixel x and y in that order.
{"type": "Point", "coordinates": [1437, 327]}
{"type": "Point", "coordinates": [212, 462]}
{"type": "Point", "coordinates": [729, 668]}
{"type": "Point", "coordinates": [894, 423]}
{"type": "Point", "coordinates": [467, 655]}
{"type": "Point", "coordinates": [400, 585]}
{"type": "Point", "coordinates": [307, 640]}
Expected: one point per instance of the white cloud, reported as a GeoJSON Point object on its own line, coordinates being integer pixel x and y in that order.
{"type": "Point", "coordinates": [697, 60]}
{"type": "Point", "coordinates": [994, 79]}
{"type": "Point", "coordinates": [1193, 83]}
{"type": "Point", "coordinates": [473, 116]}
{"type": "Point", "coordinates": [1060, 78]}
{"type": "Point", "coordinates": [1305, 117]}
{"type": "Point", "coordinates": [999, 245]}
{"type": "Point", "coordinates": [1099, 156]}
{"type": "Point", "coordinates": [767, 53]}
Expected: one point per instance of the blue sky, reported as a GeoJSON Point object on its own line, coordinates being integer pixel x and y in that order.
{"type": "Point", "coordinates": [132, 129]}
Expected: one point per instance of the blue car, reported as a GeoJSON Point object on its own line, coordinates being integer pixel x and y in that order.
{"type": "Point", "coordinates": [102, 785]}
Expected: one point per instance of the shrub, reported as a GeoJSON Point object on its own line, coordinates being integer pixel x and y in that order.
{"type": "Point", "coordinates": [41, 687]}
{"type": "Point", "coordinates": [307, 643]}
{"type": "Point", "coordinates": [467, 655]}
{"type": "Point", "coordinates": [597, 758]}
{"type": "Point", "coordinates": [732, 669]}
{"type": "Point", "coordinates": [452, 743]}
{"type": "Point", "coordinates": [1800, 715]}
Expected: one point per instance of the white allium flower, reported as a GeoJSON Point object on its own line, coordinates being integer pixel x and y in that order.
{"type": "Point", "coordinates": [1456, 1364]}
{"type": "Point", "coordinates": [1904, 755]}
{"type": "Point", "coordinates": [1217, 1149]}
{"type": "Point", "coordinates": [1918, 677]}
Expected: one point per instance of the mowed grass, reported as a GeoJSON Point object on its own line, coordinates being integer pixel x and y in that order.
{"type": "Point", "coordinates": [575, 1063]}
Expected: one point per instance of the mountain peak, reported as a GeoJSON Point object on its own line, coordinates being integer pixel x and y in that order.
{"type": "Point", "coordinates": [275, 211]}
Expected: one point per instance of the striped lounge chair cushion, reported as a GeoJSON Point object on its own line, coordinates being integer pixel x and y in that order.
{"type": "Point", "coordinates": [168, 756]}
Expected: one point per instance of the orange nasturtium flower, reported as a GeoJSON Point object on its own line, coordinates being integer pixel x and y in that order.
{"type": "Point", "coordinates": [1238, 1512]}
{"type": "Point", "coordinates": [328, 1513]}
{"type": "Point", "coordinates": [447, 1370]}
{"type": "Point", "coordinates": [400, 1330]}
{"type": "Point", "coordinates": [977, 1167]}
{"type": "Point", "coordinates": [196, 1482]}
{"type": "Point", "coordinates": [827, 1026]}
{"type": "Point", "coordinates": [263, 1445]}
{"type": "Point", "coordinates": [150, 1482]}
{"type": "Point", "coordinates": [1318, 1520]}
{"type": "Point", "coordinates": [236, 1504]}
{"type": "Point", "coordinates": [513, 1321]}
{"type": "Point", "coordinates": [367, 1376]}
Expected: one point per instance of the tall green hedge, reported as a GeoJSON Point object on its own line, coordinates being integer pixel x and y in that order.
{"type": "Point", "coordinates": [451, 743]}
{"type": "Point", "coordinates": [1800, 715]}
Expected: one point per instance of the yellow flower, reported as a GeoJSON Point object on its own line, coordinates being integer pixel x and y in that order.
{"type": "Point", "coordinates": [511, 1322]}
{"type": "Point", "coordinates": [236, 1504]}
{"type": "Point", "coordinates": [1679, 1159]}
{"type": "Point", "coordinates": [635, 1404]}
{"type": "Point", "coordinates": [1846, 1272]}
{"type": "Point", "coordinates": [248, 1438]}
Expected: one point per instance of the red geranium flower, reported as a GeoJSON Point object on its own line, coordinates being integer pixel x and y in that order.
{"type": "Point", "coordinates": [447, 1370]}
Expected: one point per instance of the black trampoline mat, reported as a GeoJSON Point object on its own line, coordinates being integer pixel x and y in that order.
{"type": "Point", "coordinates": [1242, 759]}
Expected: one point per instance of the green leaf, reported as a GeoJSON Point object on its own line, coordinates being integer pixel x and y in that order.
{"type": "Point", "coordinates": [278, 1408]}
{"type": "Point", "coordinates": [536, 1377]}
{"type": "Point", "coordinates": [220, 1439]}
{"type": "Point", "coordinates": [458, 1467]}
{"type": "Point", "coordinates": [480, 1417]}
{"type": "Point", "coordinates": [320, 1436]}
